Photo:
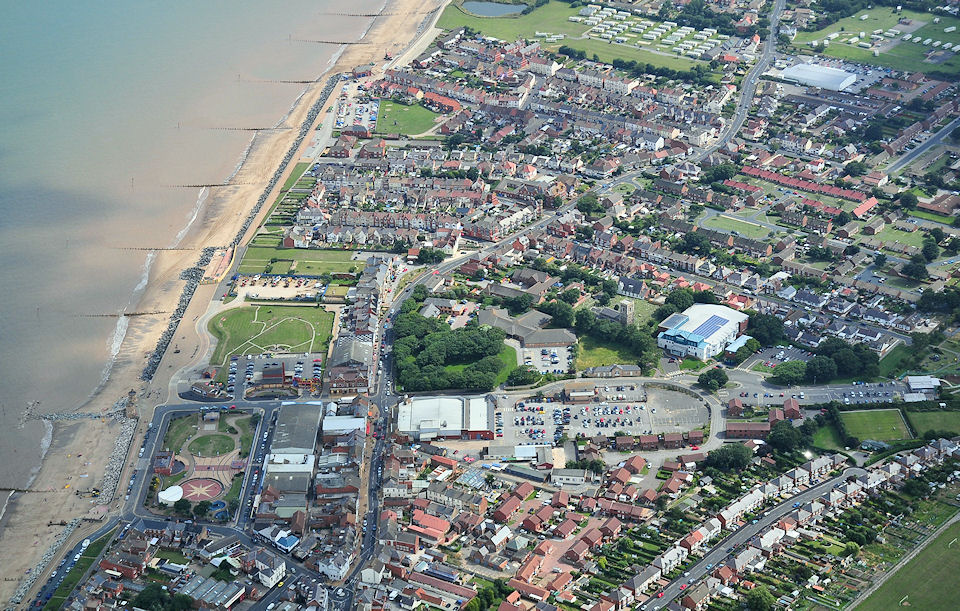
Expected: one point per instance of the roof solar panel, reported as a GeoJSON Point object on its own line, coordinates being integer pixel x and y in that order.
{"type": "Point", "coordinates": [710, 326]}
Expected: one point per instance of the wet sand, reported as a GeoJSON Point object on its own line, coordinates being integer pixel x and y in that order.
{"type": "Point", "coordinates": [24, 533]}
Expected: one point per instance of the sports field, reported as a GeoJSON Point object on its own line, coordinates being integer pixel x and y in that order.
{"type": "Point", "coordinates": [404, 120]}
{"type": "Point", "coordinates": [300, 261]}
{"type": "Point", "coordinates": [940, 421]}
{"type": "Point", "coordinates": [925, 581]}
{"type": "Point", "coordinates": [257, 329]}
{"type": "Point", "coordinates": [877, 424]}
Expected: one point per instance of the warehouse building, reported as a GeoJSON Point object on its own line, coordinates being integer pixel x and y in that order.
{"type": "Point", "coordinates": [701, 331]}
{"type": "Point", "coordinates": [296, 430]}
{"type": "Point", "coordinates": [815, 75]}
{"type": "Point", "coordinates": [425, 418]}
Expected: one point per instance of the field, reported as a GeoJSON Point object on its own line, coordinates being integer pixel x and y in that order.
{"type": "Point", "coordinates": [552, 18]}
{"type": "Point", "coordinates": [178, 431]}
{"type": "Point", "coordinates": [892, 363]}
{"type": "Point", "coordinates": [930, 216]}
{"type": "Point", "coordinates": [299, 261]}
{"type": "Point", "coordinates": [744, 228]}
{"type": "Point", "coordinates": [877, 424]}
{"type": "Point", "coordinates": [257, 329]}
{"type": "Point", "coordinates": [922, 580]}
{"type": "Point", "coordinates": [596, 354]}
{"type": "Point", "coordinates": [404, 120]}
{"type": "Point", "coordinates": [692, 364]}
{"type": "Point", "coordinates": [827, 438]}
{"type": "Point", "coordinates": [941, 421]}
{"type": "Point", "coordinates": [295, 175]}
{"type": "Point", "coordinates": [211, 445]}
{"type": "Point", "coordinates": [642, 309]}
{"type": "Point", "coordinates": [889, 234]}
{"type": "Point", "coordinates": [906, 55]}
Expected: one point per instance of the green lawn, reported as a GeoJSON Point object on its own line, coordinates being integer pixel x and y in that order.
{"type": "Point", "coordinates": [295, 175]}
{"type": "Point", "coordinates": [593, 353]}
{"type": "Point", "coordinates": [827, 438]}
{"type": "Point", "coordinates": [246, 436]}
{"type": "Point", "coordinates": [642, 309]}
{"type": "Point", "coordinates": [744, 228]}
{"type": "Point", "coordinates": [507, 354]}
{"type": "Point", "coordinates": [877, 424]}
{"type": "Point", "coordinates": [211, 445]}
{"type": "Point", "coordinates": [551, 17]}
{"type": "Point", "coordinates": [396, 118]}
{"type": "Point", "coordinates": [889, 234]}
{"type": "Point", "coordinates": [172, 556]}
{"type": "Point", "coordinates": [607, 52]}
{"type": "Point", "coordinates": [922, 581]}
{"type": "Point", "coordinates": [178, 431]}
{"type": "Point", "coordinates": [234, 492]}
{"type": "Point", "coordinates": [930, 216]}
{"type": "Point", "coordinates": [257, 329]}
{"type": "Point", "coordinates": [257, 260]}
{"type": "Point", "coordinates": [890, 364]}
{"type": "Point", "coordinates": [941, 421]}
{"type": "Point", "coordinates": [72, 578]}
{"type": "Point", "coordinates": [761, 368]}
{"type": "Point", "coordinates": [692, 364]}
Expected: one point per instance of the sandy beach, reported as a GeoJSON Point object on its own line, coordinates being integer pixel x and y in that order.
{"type": "Point", "coordinates": [79, 450]}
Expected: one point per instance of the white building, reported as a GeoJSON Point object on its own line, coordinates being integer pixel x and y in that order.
{"type": "Point", "coordinates": [425, 418]}
{"type": "Point", "coordinates": [824, 77]}
{"type": "Point", "coordinates": [702, 330]}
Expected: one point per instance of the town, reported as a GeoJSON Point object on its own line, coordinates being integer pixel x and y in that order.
{"type": "Point", "coordinates": [580, 306]}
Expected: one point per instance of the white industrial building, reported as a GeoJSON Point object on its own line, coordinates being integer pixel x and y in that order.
{"type": "Point", "coordinates": [425, 418]}
{"type": "Point", "coordinates": [702, 330]}
{"type": "Point", "coordinates": [815, 75]}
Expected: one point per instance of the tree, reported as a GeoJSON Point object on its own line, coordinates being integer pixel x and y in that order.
{"type": "Point", "coordinates": [916, 488]}
{"type": "Point", "coordinates": [729, 457]}
{"type": "Point", "coordinates": [856, 168]}
{"type": "Point", "coordinates": [523, 375]}
{"type": "Point", "coordinates": [694, 242]}
{"type": "Point", "coordinates": [713, 379]}
{"type": "Point", "coordinates": [917, 271]}
{"type": "Point", "coordinates": [908, 200]}
{"type": "Point", "coordinates": [789, 373]}
{"type": "Point", "coordinates": [783, 437]}
{"type": "Point", "coordinates": [430, 256]}
{"type": "Point", "coordinates": [760, 599]}
{"type": "Point", "coordinates": [570, 295]}
{"type": "Point", "coordinates": [937, 234]}
{"type": "Point", "coordinates": [765, 328]}
{"type": "Point", "coordinates": [156, 597]}
{"type": "Point", "coordinates": [850, 549]}
{"type": "Point", "coordinates": [182, 507]}
{"type": "Point", "coordinates": [705, 297]}
{"type": "Point", "coordinates": [930, 250]}
{"type": "Point", "coordinates": [201, 509]}
{"type": "Point", "coordinates": [680, 299]}
{"type": "Point", "coordinates": [880, 259]}
{"type": "Point", "coordinates": [821, 369]}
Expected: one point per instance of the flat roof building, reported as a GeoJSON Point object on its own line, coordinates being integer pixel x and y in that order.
{"type": "Point", "coordinates": [425, 418]}
{"type": "Point", "coordinates": [296, 430]}
{"type": "Point", "coordinates": [702, 330]}
{"type": "Point", "coordinates": [815, 75]}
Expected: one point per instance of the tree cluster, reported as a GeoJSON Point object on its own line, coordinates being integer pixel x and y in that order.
{"type": "Point", "coordinates": [593, 466]}
{"type": "Point", "coordinates": [765, 328]}
{"type": "Point", "coordinates": [612, 332]}
{"type": "Point", "coordinates": [429, 256]}
{"type": "Point", "coordinates": [729, 457]}
{"type": "Point", "coordinates": [713, 379]}
{"type": "Point", "coordinates": [156, 597]}
{"type": "Point", "coordinates": [425, 346]}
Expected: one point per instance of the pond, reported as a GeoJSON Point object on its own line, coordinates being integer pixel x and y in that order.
{"type": "Point", "coordinates": [492, 9]}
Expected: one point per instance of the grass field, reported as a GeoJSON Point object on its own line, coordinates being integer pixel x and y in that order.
{"type": "Point", "coordinates": [892, 363]}
{"type": "Point", "coordinates": [906, 55]}
{"type": "Point", "coordinates": [552, 17]}
{"type": "Point", "coordinates": [692, 364]}
{"type": "Point", "coordinates": [295, 175]}
{"type": "Point", "coordinates": [889, 234]}
{"type": "Point", "coordinates": [941, 421]}
{"type": "Point", "coordinates": [930, 216]}
{"type": "Point", "coordinates": [642, 309]}
{"type": "Point", "coordinates": [877, 424]}
{"type": "Point", "coordinates": [257, 260]}
{"type": "Point", "coordinates": [597, 354]}
{"type": "Point", "coordinates": [72, 578]}
{"type": "Point", "coordinates": [257, 329]}
{"type": "Point", "coordinates": [404, 120]}
{"type": "Point", "coordinates": [922, 581]}
{"type": "Point", "coordinates": [211, 445]}
{"type": "Point", "coordinates": [827, 438]}
{"type": "Point", "coordinates": [744, 228]}
{"type": "Point", "coordinates": [178, 431]}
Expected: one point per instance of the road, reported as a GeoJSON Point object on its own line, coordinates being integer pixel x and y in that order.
{"type": "Point", "coordinates": [719, 553]}
{"type": "Point", "coordinates": [910, 156]}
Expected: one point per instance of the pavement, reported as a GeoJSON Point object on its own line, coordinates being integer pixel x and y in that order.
{"type": "Point", "coordinates": [908, 158]}
{"type": "Point", "coordinates": [719, 553]}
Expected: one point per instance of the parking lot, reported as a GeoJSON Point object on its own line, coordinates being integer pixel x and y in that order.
{"type": "Point", "coordinates": [635, 412]}
{"type": "Point", "coordinates": [355, 112]}
{"type": "Point", "coordinates": [548, 360]}
{"type": "Point", "coordinates": [246, 370]}
{"type": "Point", "coordinates": [771, 357]}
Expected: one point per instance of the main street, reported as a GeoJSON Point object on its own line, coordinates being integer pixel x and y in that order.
{"type": "Point", "coordinates": [719, 554]}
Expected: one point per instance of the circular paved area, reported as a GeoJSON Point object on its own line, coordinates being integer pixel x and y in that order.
{"type": "Point", "coordinates": [201, 489]}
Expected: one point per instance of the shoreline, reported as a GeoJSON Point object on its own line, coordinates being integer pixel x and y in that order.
{"type": "Point", "coordinates": [78, 451]}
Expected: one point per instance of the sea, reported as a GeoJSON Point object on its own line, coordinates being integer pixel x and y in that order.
{"type": "Point", "coordinates": [104, 107]}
